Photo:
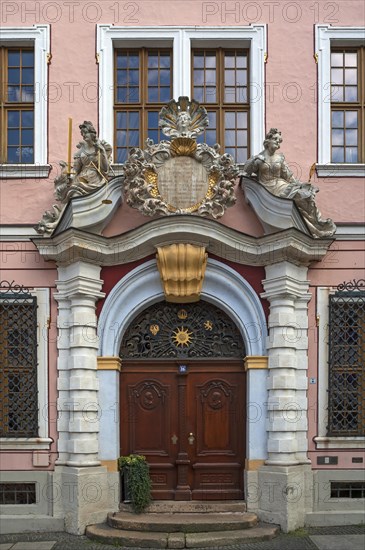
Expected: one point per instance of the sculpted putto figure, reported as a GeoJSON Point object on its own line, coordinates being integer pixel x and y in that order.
{"type": "Point", "coordinates": [271, 170]}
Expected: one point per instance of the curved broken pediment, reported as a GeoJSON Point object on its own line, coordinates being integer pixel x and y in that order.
{"type": "Point", "coordinates": [92, 212]}
{"type": "Point", "coordinates": [275, 213]}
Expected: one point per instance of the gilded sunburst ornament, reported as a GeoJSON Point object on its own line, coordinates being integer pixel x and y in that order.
{"type": "Point", "coordinates": [182, 336]}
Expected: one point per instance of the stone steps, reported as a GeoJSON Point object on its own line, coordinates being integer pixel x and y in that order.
{"type": "Point", "coordinates": [184, 523]}
{"type": "Point", "coordinates": [142, 539]}
{"type": "Point", "coordinates": [190, 507]}
{"type": "Point", "coordinates": [173, 524]}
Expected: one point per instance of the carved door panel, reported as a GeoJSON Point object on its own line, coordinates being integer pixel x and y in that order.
{"type": "Point", "coordinates": [149, 425]}
{"type": "Point", "coordinates": [216, 420]}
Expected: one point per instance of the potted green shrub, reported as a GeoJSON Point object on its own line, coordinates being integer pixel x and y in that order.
{"type": "Point", "coordinates": [136, 481]}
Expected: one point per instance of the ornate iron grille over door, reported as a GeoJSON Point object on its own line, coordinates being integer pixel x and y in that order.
{"type": "Point", "coordinates": [168, 330]}
{"type": "Point", "coordinates": [18, 362]}
{"type": "Point", "coordinates": [346, 402]}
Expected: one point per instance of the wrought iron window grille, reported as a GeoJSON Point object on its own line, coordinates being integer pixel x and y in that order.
{"type": "Point", "coordinates": [18, 361]}
{"type": "Point", "coordinates": [346, 384]}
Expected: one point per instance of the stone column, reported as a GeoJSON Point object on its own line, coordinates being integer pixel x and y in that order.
{"type": "Point", "coordinates": [285, 478]}
{"type": "Point", "coordinates": [301, 308]}
{"type": "Point", "coordinates": [79, 479]}
{"type": "Point", "coordinates": [286, 288]}
{"type": "Point", "coordinates": [63, 346]}
{"type": "Point", "coordinates": [81, 284]}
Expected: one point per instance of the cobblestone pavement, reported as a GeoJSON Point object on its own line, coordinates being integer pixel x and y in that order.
{"type": "Point", "coordinates": [312, 538]}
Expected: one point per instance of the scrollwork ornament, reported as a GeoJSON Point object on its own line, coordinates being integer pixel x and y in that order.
{"type": "Point", "coordinates": [7, 287]}
{"type": "Point", "coordinates": [352, 285]}
{"type": "Point", "coordinates": [147, 171]}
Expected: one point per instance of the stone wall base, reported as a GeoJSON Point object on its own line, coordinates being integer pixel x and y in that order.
{"type": "Point", "coordinates": [29, 523]}
{"type": "Point", "coordinates": [324, 519]}
{"type": "Point", "coordinates": [284, 495]}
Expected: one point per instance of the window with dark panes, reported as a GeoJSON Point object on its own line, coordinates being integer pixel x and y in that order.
{"type": "Point", "coordinates": [18, 365]}
{"type": "Point", "coordinates": [17, 105]}
{"type": "Point", "coordinates": [220, 83]}
{"type": "Point", "coordinates": [143, 84]}
{"type": "Point", "coordinates": [346, 387]}
{"type": "Point", "coordinates": [347, 105]}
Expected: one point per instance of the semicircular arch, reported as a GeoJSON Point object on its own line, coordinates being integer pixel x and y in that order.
{"type": "Point", "coordinates": [223, 287]}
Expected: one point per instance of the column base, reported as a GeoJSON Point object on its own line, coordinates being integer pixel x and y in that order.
{"type": "Point", "coordinates": [285, 494]}
{"type": "Point", "coordinates": [282, 462]}
{"type": "Point", "coordinates": [84, 495]}
{"type": "Point", "coordinates": [84, 464]}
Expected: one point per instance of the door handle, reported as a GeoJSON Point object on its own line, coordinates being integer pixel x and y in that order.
{"type": "Point", "coordinates": [191, 438]}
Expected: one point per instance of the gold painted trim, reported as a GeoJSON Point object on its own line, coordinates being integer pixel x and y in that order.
{"type": "Point", "coordinates": [110, 465]}
{"type": "Point", "coordinates": [251, 465]}
{"type": "Point", "coordinates": [256, 362]}
{"type": "Point", "coordinates": [110, 363]}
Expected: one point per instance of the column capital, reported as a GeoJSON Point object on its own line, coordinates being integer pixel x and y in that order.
{"type": "Point", "coordinates": [80, 279]}
{"type": "Point", "coordinates": [285, 280]}
{"type": "Point", "coordinates": [256, 362]}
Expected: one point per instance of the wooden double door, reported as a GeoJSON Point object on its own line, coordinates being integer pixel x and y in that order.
{"type": "Point", "coordinates": [188, 419]}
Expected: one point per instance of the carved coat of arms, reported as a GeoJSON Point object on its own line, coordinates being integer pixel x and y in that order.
{"type": "Point", "coordinates": [180, 176]}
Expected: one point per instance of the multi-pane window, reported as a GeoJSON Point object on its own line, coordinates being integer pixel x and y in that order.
{"type": "Point", "coordinates": [346, 388]}
{"type": "Point", "coordinates": [143, 84]}
{"type": "Point", "coordinates": [348, 105]}
{"type": "Point", "coordinates": [18, 365]}
{"type": "Point", "coordinates": [17, 105]}
{"type": "Point", "coordinates": [220, 83]}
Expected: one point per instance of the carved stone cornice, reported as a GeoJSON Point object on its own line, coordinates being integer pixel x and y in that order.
{"type": "Point", "coordinates": [224, 242]}
{"type": "Point", "coordinates": [182, 268]}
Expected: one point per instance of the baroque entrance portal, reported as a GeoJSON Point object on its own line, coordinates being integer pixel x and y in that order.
{"type": "Point", "coordinates": [183, 400]}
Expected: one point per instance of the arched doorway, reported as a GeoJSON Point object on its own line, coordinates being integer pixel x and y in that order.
{"type": "Point", "coordinates": [182, 400]}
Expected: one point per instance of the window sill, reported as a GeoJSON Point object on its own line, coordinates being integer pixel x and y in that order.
{"type": "Point", "coordinates": [25, 443]}
{"type": "Point", "coordinates": [339, 442]}
{"type": "Point", "coordinates": [340, 170]}
{"type": "Point", "coordinates": [20, 171]}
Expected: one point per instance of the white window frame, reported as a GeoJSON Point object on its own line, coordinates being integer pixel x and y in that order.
{"type": "Point", "coordinates": [323, 441]}
{"type": "Point", "coordinates": [325, 38]}
{"type": "Point", "coordinates": [43, 441]}
{"type": "Point", "coordinates": [39, 37]}
{"type": "Point", "coordinates": [182, 40]}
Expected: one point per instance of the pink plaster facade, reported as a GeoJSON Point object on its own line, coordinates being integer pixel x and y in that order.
{"type": "Point", "coordinates": [291, 77]}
